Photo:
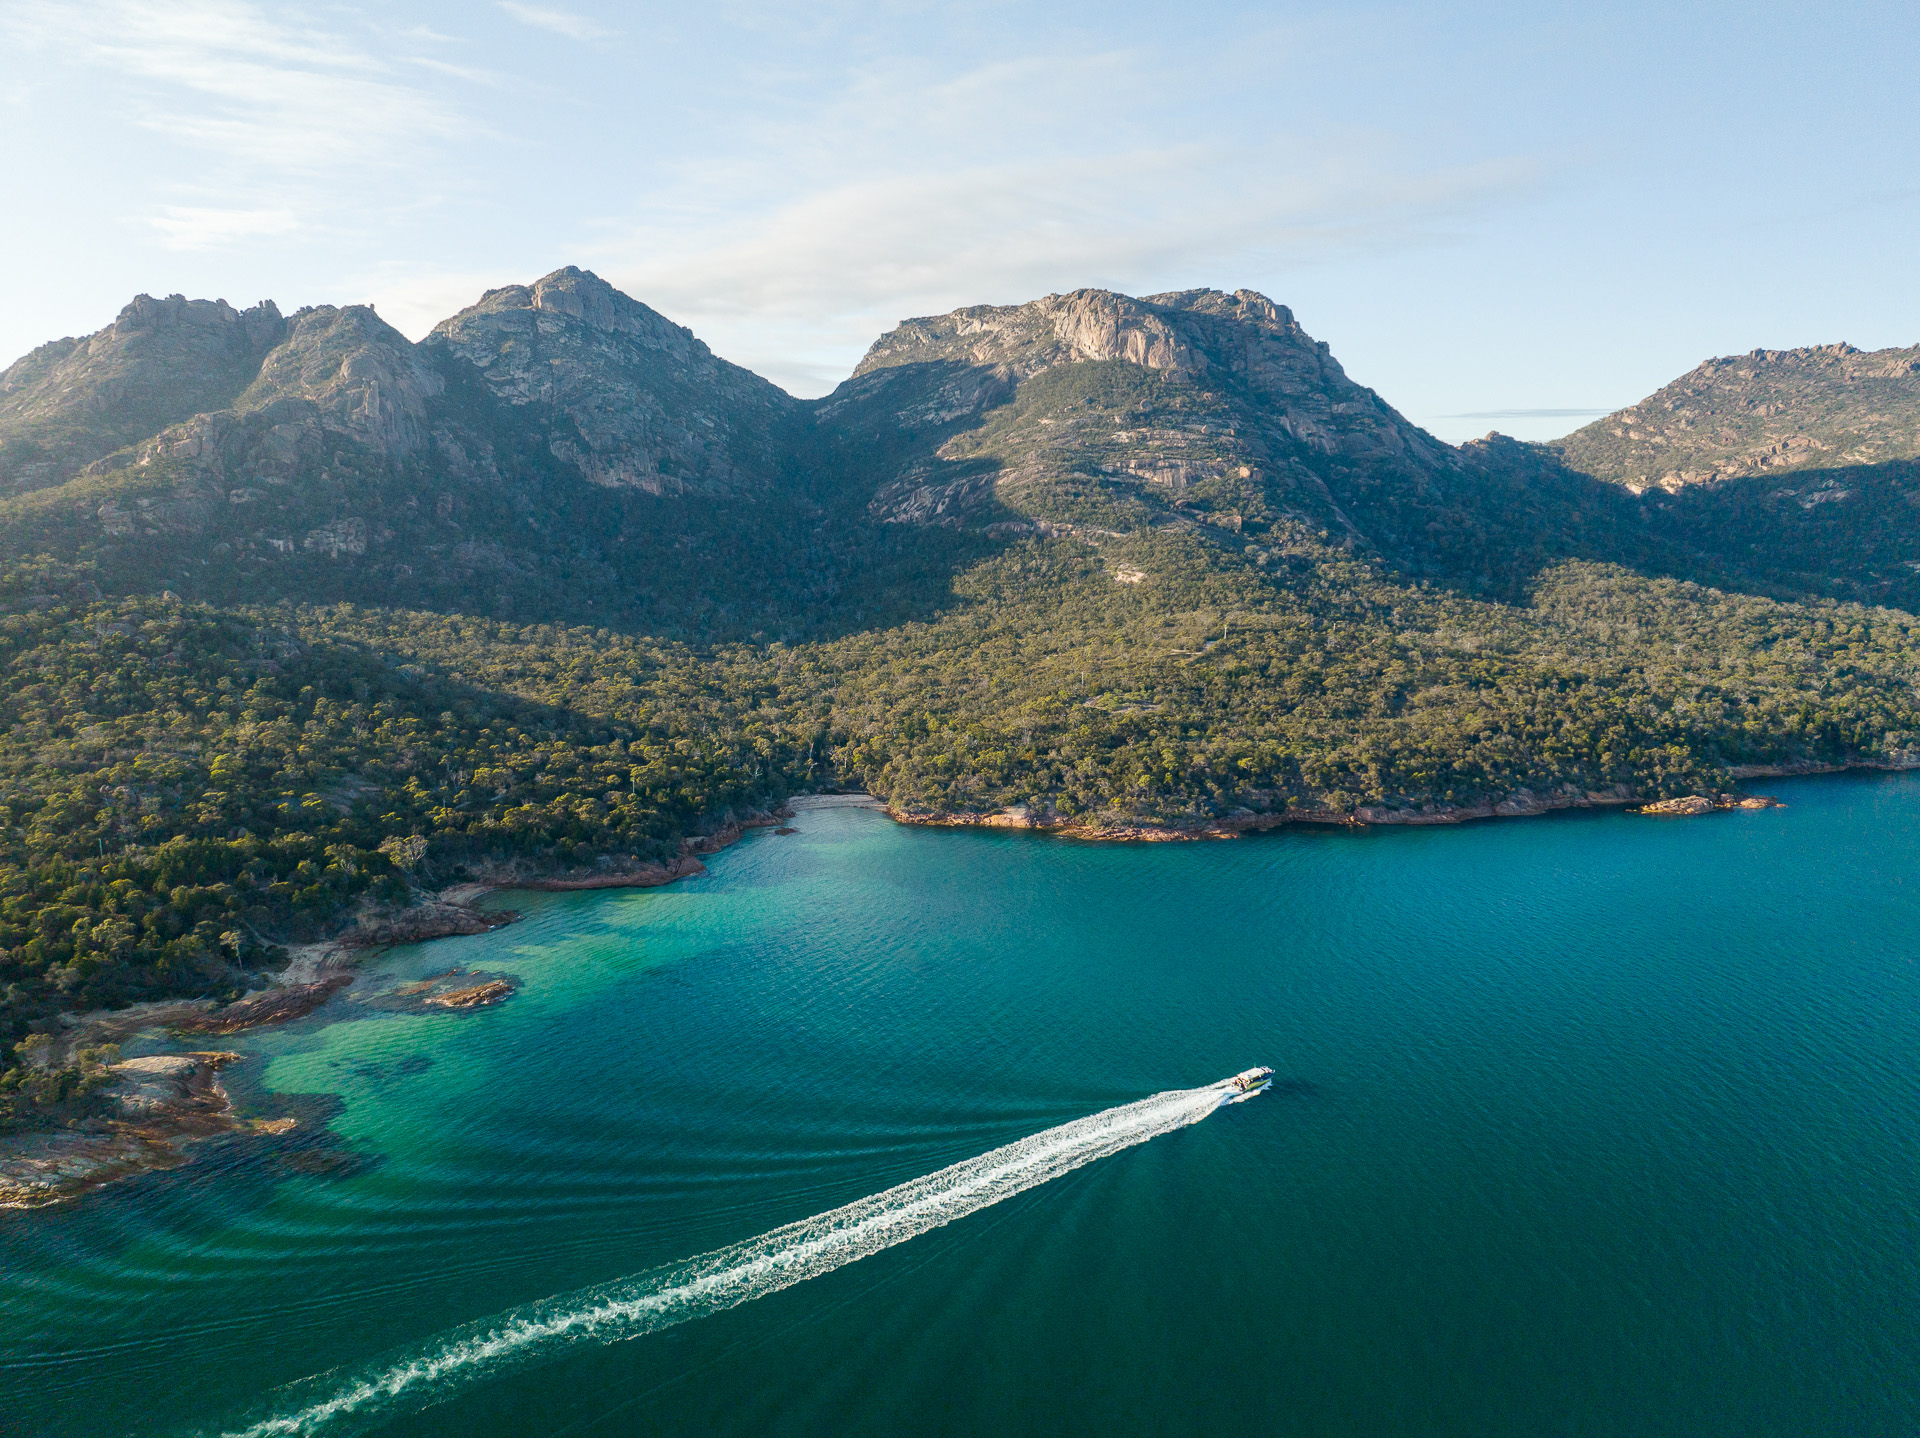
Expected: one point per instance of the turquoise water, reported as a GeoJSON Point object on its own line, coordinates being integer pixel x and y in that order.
{"type": "Point", "coordinates": [1586, 1125]}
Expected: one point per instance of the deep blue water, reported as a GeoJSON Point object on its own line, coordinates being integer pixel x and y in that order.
{"type": "Point", "coordinates": [1592, 1125]}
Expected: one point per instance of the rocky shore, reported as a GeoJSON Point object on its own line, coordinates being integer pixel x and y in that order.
{"type": "Point", "coordinates": [148, 1111]}
{"type": "Point", "coordinates": [1523, 803]}
{"type": "Point", "coordinates": [1692, 804]}
{"type": "Point", "coordinates": [156, 1106]}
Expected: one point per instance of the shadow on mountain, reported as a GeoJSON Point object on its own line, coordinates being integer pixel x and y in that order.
{"type": "Point", "coordinates": [245, 514]}
{"type": "Point", "coordinates": [1849, 533]}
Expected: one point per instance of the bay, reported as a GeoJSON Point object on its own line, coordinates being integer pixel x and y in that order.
{"type": "Point", "coordinates": [1587, 1125]}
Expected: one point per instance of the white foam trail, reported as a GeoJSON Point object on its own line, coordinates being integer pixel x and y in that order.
{"type": "Point", "coordinates": [643, 1303]}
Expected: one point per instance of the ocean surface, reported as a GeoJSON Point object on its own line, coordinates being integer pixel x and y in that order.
{"type": "Point", "coordinates": [1592, 1125]}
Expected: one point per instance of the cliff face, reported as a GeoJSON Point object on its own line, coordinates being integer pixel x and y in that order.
{"type": "Point", "coordinates": [349, 372]}
{"type": "Point", "coordinates": [1768, 412]}
{"type": "Point", "coordinates": [1198, 410]}
{"type": "Point", "coordinates": [1206, 337]}
{"type": "Point", "coordinates": [72, 401]}
{"type": "Point", "coordinates": [618, 393]}
{"type": "Point", "coordinates": [339, 376]}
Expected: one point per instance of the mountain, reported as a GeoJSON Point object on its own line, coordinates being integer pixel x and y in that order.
{"type": "Point", "coordinates": [161, 361]}
{"type": "Point", "coordinates": [1786, 472]}
{"type": "Point", "coordinates": [1199, 411]}
{"type": "Point", "coordinates": [619, 393]}
{"type": "Point", "coordinates": [1206, 409]}
{"type": "Point", "coordinates": [556, 451]}
{"type": "Point", "coordinates": [1771, 412]}
{"type": "Point", "coordinates": [298, 616]}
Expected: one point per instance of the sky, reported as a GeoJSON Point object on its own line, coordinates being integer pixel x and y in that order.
{"type": "Point", "coordinates": [1500, 216]}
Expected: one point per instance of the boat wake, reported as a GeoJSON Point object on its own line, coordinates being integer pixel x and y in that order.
{"type": "Point", "coordinates": [659, 1298]}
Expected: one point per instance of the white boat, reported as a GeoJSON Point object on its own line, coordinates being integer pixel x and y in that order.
{"type": "Point", "coordinates": [1243, 1086]}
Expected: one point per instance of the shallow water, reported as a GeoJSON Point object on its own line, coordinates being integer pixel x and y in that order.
{"type": "Point", "coordinates": [1586, 1125]}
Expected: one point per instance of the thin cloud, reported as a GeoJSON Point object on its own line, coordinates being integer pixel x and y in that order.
{"type": "Point", "coordinates": [292, 130]}
{"type": "Point", "coordinates": [824, 273]}
{"type": "Point", "coordinates": [193, 227]}
{"type": "Point", "coordinates": [560, 22]}
{"type": "Point", "coordinates": [221, 75]}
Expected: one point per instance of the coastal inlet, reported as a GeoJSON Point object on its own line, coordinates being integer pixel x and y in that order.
{"type": "Point", "coordinates": [1599, 1122]}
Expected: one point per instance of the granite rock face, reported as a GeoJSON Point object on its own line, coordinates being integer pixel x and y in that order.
{"type": "Point", "coordinates": [1242, 339]}
{"type": "Point", "coordinates": [1092, 412]}
{"type": "Point", "coordinates": [162, 361]}
{"type": "Point", "coordinates": [1768, 412]}
{"type": "Point", "coordinates": [340, 375]}
{"type": "Point", "coordinates": [619, 393]}
{"type": "Point", "coordinates": [357, 374]}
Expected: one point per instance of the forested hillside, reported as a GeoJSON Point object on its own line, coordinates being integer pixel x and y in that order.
{"type": "Point", "coordinates": [300, 616]}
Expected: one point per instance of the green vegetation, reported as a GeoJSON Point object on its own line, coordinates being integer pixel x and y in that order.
{"type": "Point", "coordinates": [183, 791]}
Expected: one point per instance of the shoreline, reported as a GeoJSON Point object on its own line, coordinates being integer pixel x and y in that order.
{"type": "Point", "coordinates": [1520, 804]}
{"type": "Point", "coordinates": [160, 1104]}
{"type": "Point", "coordinates": [157, 1106]}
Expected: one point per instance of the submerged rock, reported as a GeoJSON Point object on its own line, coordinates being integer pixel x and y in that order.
{"type": "Point", "coordinates": [474, 997]}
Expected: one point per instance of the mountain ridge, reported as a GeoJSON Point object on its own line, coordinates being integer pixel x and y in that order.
{"type": "Point", "coordinates": [1765, 412]}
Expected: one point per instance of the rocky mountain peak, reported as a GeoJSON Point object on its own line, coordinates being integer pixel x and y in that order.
{"type": "Point", "coordinates": [584, 296]}
{"type": "Point", "coordinates": [574, 294]}
{"type": "Point", "coordinates": [1080, 326]}
{"type": "Point", "coordinates": [359, 374]}
{"type": "Point", "coordinates": [1185, 331]}
{"type": "Point", "coordinates": [628, 398]}
{"type": "Point", "coordinates": [1766, 411]}
{"type": "Point", "coordinates": [145, 316]}
{"type": "Point", "coordinates": [161, 361]}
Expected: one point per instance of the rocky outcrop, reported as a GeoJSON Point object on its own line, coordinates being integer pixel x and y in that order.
{"type": "Point", "coordinates": [155, 1107]}
{"type": "Point", "coordinates": [472, 996]}
{"type": "Point", "coordinates": [70, 402]}
{"type": "Point", "coordinates": [622, 394]}
{"type": "Point", "coordinates": [449, 914]}
{"type": "Point", "coordinates": [1766, 412]}
{"type": "Point", "coordinates": [1022, 340]}
{"type": "Point", "coordinates": [269, 1006]}
{"type": "Point", "coordinates": [1689, 805]}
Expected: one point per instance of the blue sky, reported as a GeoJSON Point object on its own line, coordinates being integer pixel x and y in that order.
{"type": "Point", "coordinates": [1488, 210]}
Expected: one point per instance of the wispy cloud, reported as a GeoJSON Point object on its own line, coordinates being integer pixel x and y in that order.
{"type": "Point", "coordinates": [284, 125]}
{"type": "Point", "coordinates": [560, 22]}
{"type": "Point", "coordinates": [225, 76]}
{"type": "Point", "coordinates": [195, 227]}
{"type": "Point", "coordinates": [830, 269]}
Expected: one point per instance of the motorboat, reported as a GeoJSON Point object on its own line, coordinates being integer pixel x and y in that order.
{"type": "Point", "coordinates": [1243, 1086]}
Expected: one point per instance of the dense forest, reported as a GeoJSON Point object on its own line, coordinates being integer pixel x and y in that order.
{"type": "Point", "coordinates": [557, 588]}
